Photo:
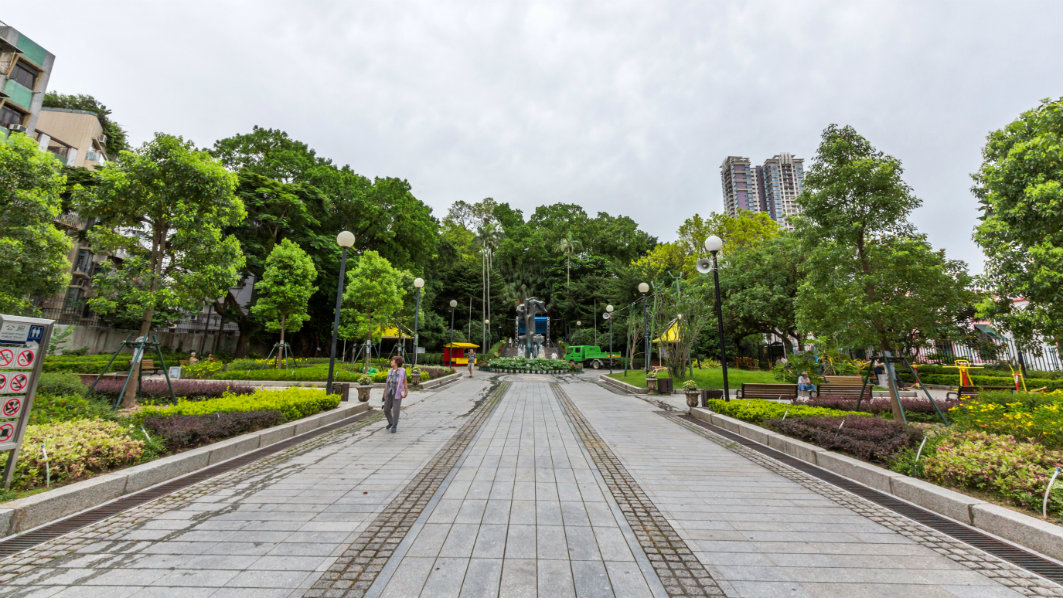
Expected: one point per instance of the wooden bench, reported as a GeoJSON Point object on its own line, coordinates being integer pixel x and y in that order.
{"type": "Point", "coordinates": [972, 391]}
{"type": "Point", "coordinates": [146, 365]}
{"type": "Point", "coordinates": [843, 391]}
{"type": "Point", "coordinates": [844, 380]}
{"type": "Point", "coordinates": [768, 391]}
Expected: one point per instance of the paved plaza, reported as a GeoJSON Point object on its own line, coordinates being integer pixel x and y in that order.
{"type": "Point", "coordinates": [511, 485]}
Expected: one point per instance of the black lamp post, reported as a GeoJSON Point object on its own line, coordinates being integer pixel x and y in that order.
{"type": "Point", "coordinates": [345, 240]}
{"type": "Point", "coordinates": [608, 315]}
{"type": "Point", "coordinates": [453, 305]}
{"type": "Point", "coordinates": [645, 288]}
{"type": "Point", "coordinates": [418, 283]}
{"type": "Point", "coordinates": [714, 244]}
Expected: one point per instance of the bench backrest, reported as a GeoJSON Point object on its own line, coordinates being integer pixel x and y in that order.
{"type": "Point", "coordinates": [850, 380]}
{"type": "Point", "coordinates": [751, 389]}
{"type": "Point", "coordinates": [843, 390]}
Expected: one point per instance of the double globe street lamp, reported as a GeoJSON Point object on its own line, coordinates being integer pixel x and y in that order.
{"type": "Point", "coordinates": [645, 288]}
{"type": "Point", "coordinates": [608, 315]}
{"type": "Point", "coordinates": [345, 240]}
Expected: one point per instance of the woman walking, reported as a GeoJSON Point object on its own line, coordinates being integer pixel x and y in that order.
{"type": "Point", "coordinates": [394, 392]}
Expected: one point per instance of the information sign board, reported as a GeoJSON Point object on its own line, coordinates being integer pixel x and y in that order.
{"type": "Point", "coordinates": [23, 343]}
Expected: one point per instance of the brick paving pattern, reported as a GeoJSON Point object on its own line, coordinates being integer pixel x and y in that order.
{"type": "Point", "coordinates": [354, 571]}
{"type": "Point", "coordinates": [679, 570]}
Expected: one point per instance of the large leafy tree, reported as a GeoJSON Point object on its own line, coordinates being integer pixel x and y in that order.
{"type": "Point", "coordinates": [372, 298]}
{"type": "Point", "coordinates": [285, 290]}
{"type": "Point", "coordinates": [116, 135]}
{"type": "Point", "coordinates": [164, 209]}
{"type": "Point", "coordinates": [32, 250]}
{"type": "Point", "coordinates": [1020, 186]}
{"type": "Point", "coordinates": [761, 285]}
{"type": "Point", "coordinates": [869, 279]}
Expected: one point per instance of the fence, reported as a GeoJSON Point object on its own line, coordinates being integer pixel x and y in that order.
{"type": "Point", "coordinates": [1046, 359]}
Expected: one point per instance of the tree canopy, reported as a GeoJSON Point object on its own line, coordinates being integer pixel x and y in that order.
{"type": "Point", "coordinates": [285, 289]}
{"type": "Point", "coordinates": [32, 250]}
{"type": "Point", "coordinates": [1020, 188]}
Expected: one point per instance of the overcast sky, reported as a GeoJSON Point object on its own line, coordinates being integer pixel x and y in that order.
{"type": "Point", "coordinates": [627, 107]}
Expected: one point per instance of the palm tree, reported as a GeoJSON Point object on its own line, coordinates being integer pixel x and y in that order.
{"type": "Point", "coordinates": [569, 246]}
{"type": "Point", "coordinates": [490, 237]}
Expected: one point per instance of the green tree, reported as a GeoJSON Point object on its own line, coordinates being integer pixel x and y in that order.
{"type": "Point", "coordinates": [32, 250]}
{"type": "Point", "coordinates": [285, 290]}
{"type": "Point", "coordinates": [1020, 187]}
{"type": "Point", "coordinates": [373, 297]}
{"type": "Point", "coordinates": [116, 135]}
{"type": "Point", "coordinates": [869, 279]}
{"type": "Point", "coordinates": [163, 209]}
{"type": "Point", "coordinates": [760, 283]}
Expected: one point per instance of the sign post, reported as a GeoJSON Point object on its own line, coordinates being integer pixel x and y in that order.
{"type": "Point", "coordinates": [23, 343]}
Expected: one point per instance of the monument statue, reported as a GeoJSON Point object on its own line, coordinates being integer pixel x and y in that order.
{"type": "Point", "coordinates": [531, 344]}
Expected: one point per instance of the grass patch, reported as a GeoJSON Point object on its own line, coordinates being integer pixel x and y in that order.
{"type": "Point", "coordinates": [705, 377]}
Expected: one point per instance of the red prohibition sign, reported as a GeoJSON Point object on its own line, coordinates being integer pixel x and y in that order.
{"type": "Point", "coordinates": [11, 407]}
{"type": "Point", "coordinates": [18, 382]}
{"type": "Point", "coordinates": [25, 358]}
{"type": "Point", "coordinates": [6, 432]}
{"type": "Point", "coordinates": [3, 381]}
{"type": "Point", "coordinates": [6, 356]}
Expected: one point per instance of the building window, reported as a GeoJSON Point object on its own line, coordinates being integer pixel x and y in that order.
{"type": "Point", "coordinates": [25, 75]}
{"type": "Point", "coordinates": [10, 116]}
{"type": "Point", "coordinates": [84, 263]}
{"type": "Point", "coordinates": [72, 302]}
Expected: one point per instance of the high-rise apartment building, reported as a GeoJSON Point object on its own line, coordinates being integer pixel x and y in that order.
{"type": "Point", "coordinates": [771, 188]}
{"type": "Point", "coordinates": [779, 181]}
{"type": "Point", "coordinates": [24, 71]}
{"type": "Point", "coordinates": [739, 186]}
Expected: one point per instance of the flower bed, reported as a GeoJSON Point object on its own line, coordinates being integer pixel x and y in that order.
{"type": "Point", "coordinates": [1028, 416]}
{"type": "Point", "coordinates": [180, 432]}
{"type": "Point", "coordinates": [523, 364]}
{"type": "Point", "coordinates": [882, 405]}
{"type": "Point", "coordinates": [871, 439]}
{"type": "Point", "coordinates": [157, 390]}
{"type": "Point", "coordinates": [759, 410]}
{"type": "Point", "coordinates": [292, 403]}
{"type": "Point", "coordinates": [76, 450]}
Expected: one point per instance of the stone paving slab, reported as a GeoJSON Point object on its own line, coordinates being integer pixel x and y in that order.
{"type": "Point", "coordinates": [272, 526]}
{"type": "Point", "coordinates": [768, 529]}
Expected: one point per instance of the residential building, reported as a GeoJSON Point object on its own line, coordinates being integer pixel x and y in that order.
{"type": "Point", "coordinates": [24, 71]}
{"type": "Point", "coordinates": [75, 137]}
{"type": "Point", "coordinates": [779, 181]}
{"type": "Point", "coordinates": [739, 186]}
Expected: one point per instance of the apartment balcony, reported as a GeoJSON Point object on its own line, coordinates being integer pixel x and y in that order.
{"type": "Point", "coordinates": [72, 220]}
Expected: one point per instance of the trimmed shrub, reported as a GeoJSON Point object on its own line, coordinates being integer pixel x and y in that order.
{"type": "Point", "coordinates": [871, 439]}
{"type": "Point", "coordinates": [882, 405]}
{"type": "Point", "coordinates": [60, 383]}
{"type": "Point", "coordinates": [158, 391]}
{"type": "Point", "coordinates": [203, 369]}
{"type": "Point", "coordinates": [1016, 470]}
{"type": "Point", "coordinates": [759, 410]}
{"type": "Point", "coordinates": [292, 403]}
{"type": "Point", "coordinates": [189, 431]}
{"type": "Point", "coordinates": [76, 450]}
{"type": "Point", "coordinates": [52, 409]}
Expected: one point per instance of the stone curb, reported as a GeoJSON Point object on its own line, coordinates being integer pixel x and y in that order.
{"type": "Point", "coordinates": [620, 385]}
{"type": "Point", "coordinates": [1016, 527]}
{"type": "Point", "coordinates": [434, 382]}
{"type": "Point", "coordinates": [26, 513]}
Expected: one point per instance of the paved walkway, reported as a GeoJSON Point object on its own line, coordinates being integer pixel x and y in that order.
{"type": "Point", "coordinates": [513, 486]}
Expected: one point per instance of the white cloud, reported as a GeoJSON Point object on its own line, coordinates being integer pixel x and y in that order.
{"type": "Point", "coordinates": [627, 107]}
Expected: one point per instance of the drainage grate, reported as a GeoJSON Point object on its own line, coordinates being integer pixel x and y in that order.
{"type": "Point", "coordinates": [1020, 557]}
{"type": "Point", "coordinates": [64, 526]}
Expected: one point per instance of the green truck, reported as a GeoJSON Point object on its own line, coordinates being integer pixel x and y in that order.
{"type": "Point", "coordinates": [591, 356]}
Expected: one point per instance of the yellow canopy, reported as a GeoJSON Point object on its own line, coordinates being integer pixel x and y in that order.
{"type": "Point", "coordinates": [671, 335]}
{"type": "Point", "coordinates": [462, 345]}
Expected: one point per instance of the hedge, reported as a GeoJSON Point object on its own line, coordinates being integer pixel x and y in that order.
{"type": "Point", "coordinates": [954, 380]}
{"type": "Point", "coordinates": [292, 403]}
{"type": "Point", "coordinates": [875, 440]}
{"type": "Point", "coordinates": [188, 431]}
{"type": "Point", "coordinates": [759, 410]}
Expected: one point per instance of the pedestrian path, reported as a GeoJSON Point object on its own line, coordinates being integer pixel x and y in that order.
{"type": "Point", "coordinates": [514, 486]}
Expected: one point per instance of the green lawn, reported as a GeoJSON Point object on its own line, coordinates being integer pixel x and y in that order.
{"type": "Point", "coordinates": [706, 378]}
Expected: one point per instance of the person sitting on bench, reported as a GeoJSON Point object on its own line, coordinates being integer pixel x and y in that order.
{"type": "Point", "coordinates": [804, 386]}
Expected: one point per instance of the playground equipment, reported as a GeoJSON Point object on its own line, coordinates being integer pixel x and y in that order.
{"type": "Point", "coordinates": [964, 366]}
{"type": "Point", "coordinates": [1019, 378]}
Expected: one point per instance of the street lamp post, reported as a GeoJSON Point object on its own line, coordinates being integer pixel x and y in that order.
{"type": "Point", "coordinates": [609, 316]}
{"type": "Point", "coordinates": [453, 305]}
{"type": "Point", "coordinates": [418, 283]}
{"type": "Point", "coordinates": [345, 240]}
{"type": "Point", "coordinates": [714, 244]}
{"type": "Point", "coordinates": [487, 335]}
{"type": "Point", "coordinates": [645, 288]}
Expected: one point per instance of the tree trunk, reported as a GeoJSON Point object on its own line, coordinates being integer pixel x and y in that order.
{"type": "Point", "coordinates": [129, 399]}
{"type": "Point", "coordinates": [895, 397]}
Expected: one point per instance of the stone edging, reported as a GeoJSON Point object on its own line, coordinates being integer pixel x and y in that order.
{"type": "Point", "coordinates": [620, 385]}
{"type": "Point", "coordinates": [434, 382]}
{"type": "Point", "coordinates": [1016, 527]}
{"type": "Point", "coordinates": [19, 515]}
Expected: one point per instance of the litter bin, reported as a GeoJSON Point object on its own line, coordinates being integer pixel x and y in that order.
{"type": "Point", "coordinates": [710, 393]}
{"type": "Point", "coordinates": [665, 386]}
